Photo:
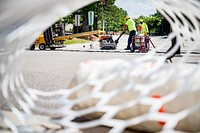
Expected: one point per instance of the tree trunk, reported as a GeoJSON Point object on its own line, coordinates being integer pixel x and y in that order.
{"type": "Point", "coordinates": [85, 22]}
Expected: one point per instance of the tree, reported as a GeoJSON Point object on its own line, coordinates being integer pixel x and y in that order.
{"type": "Point", "coordinates": [157, 24]}
{"type": "Point", "coordinates": [113, 16]}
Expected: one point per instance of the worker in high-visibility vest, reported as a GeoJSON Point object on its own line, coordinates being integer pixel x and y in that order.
{"type": "Point", "coordinates": [144, 31]}
{"type": "Point", "coordinates": [143, 28]}
{"type": "Point", "coordinates": [130, 26]}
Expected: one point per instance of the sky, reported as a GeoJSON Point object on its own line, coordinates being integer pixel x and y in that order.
{"type": "Point", "coordinates": [136, 8]}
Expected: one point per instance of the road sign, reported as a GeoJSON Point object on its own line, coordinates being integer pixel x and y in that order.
{"type": "Point", "coordinates": [90, 18]}
{"type": "Point", "coordinates": [77, 20]}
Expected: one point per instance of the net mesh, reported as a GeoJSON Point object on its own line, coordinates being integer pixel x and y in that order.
{"type": "Point", "coordinates": [144, 95]}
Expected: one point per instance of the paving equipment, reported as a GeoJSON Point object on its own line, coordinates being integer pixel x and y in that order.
{"type": "Point", "coordinates": [107, 42]}
{"type": "Point", "coordinates": [141, 43]}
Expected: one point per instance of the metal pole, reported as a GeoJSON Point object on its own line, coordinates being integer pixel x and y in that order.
{"type": "Point", "coordinates": [103, 17]}
{"type": "Point", "coordinates": [77, 24]}
{"type": "Point", "coordinates": [64, 24]}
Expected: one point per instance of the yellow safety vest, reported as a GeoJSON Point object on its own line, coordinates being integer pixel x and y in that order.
{"type": "Point", "coordinates": [144, 29]}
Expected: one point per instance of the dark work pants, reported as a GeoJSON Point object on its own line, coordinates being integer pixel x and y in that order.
{"type": "Point", "coordinates": [131, 35]}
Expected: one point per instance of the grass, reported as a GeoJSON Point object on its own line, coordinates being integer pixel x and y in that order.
{"type": "Point", "coordinates": [75, 41]}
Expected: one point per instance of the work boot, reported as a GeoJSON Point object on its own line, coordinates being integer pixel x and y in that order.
{"type": "Point", "coordinates": [126, 48]}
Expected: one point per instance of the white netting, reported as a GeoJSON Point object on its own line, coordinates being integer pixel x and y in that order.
{"type": "Point", "coordinates": [142, 95]}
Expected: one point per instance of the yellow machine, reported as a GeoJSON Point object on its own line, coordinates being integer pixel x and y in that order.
{"type": "Point", "coordinates": [41, 44]}
{"type": "Point", "coordinates": [40, 40]}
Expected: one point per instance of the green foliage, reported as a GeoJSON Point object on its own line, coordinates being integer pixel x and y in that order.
{"type": "Point", "coordinates": [114, 18]}
{"type": "Point", "coordinates": [69, 19]}
{"type": "Point", "coordinates": [155, 23]}
{"type": "Point", "coordinates": [112, 15]}
{"type": "Point", "coordinates": [75, 41]}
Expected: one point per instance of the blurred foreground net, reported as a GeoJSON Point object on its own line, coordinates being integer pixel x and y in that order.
{"type": "Point", "coordinates": [142, 95]}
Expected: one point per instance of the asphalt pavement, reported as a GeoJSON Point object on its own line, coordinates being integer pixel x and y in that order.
{"type": "Point", "coordinates": [51, 70]}
{"type": "Point", "coordinates": [158, 43]}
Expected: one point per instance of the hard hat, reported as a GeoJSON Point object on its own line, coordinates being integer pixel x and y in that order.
{"type": "Point", "coordinates": [127, 17]}
{"type": "Point", "coordinates": [141, 20]}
